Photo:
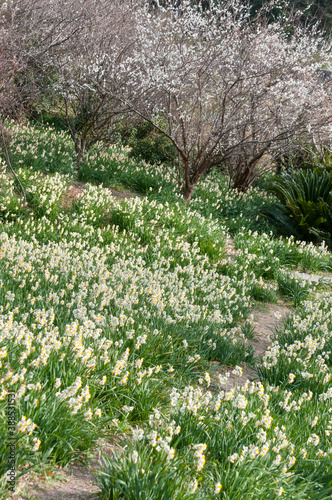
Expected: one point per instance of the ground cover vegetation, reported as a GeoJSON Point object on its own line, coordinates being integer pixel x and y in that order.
{"type": "Point", "coordinates": [112, 312]}
{"type": "Point", "coordinates": [125, 319]}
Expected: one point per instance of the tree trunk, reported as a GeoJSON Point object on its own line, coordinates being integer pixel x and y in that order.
{"type": "Point", "coordinates": [4, 146]}
{"type": "Point", "coordinates": [80, 144]}
{"type": "Point", "coordinates": [188, 187]}
{"type": "Point", "coordinates": [187, 193]}
{"type": "Point", "coordinates": [243, 179]}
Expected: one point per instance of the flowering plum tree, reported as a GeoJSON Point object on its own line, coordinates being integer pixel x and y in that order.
{"type": "Point", "coordinates": [32, 30]}
{"type": "Point", "coordinates": [34, 33]}
{"type": "Point", "coordinates": [83, 91]}
{"type": "Point", "coordinates": [226, 89]}
{"type": "Point", "coordinates": [70, 49]}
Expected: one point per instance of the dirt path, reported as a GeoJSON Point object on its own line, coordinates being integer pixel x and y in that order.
{"type": "Point", "coordinates": [76, 189]}
{"type": "Point", "coordinates": [74, 483]}
{"type": "Point", "coordinates": [264, 323]}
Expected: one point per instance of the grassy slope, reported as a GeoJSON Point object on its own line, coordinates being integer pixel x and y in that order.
{"type": "Point", "coordinates": [111, 314]}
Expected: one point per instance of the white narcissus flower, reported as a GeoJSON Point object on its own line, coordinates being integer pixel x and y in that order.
{"type": "Point", "coordinates": [88, 415]}
{"type": "Point", "coordinates": [37, 444]}
{"type": "Point", "coordinates": [217, 488]}
{"type": "Point", "coordinates": [57, 383]}
{"type": "Point", "coordinates": [238, 371]}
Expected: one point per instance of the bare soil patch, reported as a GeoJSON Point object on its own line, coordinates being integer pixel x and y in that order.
{"type": "Point", "coordinates": [230, 248]}
{"type": "Point", "coordinates": [74, 193]}
{"type": "Point", "coordinates": [265, 323]}
{"type": "Point", "coordinates": [74, 483]}
{"type": "Point", "coordinates": [122, 195]}
{"type": "Point", "coordinates": [232, 380]}
{"type": "Point", "coordinates": [76, 189]}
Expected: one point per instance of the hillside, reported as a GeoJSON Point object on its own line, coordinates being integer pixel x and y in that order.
{"type": "Point", "coordinates": [129, 323]}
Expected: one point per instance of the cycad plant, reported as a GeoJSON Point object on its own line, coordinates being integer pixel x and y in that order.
{"type": "Point", "coordinates": [306, 204]}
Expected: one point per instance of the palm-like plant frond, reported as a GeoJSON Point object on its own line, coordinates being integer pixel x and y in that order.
{"type": "Point", "coordinates": [306, 204]}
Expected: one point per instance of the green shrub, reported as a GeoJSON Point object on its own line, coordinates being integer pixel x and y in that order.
{"type": "Point", "coordinates": [148, 144]}
{"type": "Point", "coordinates": [48, 119]}
{"type": "Point", "coordinates": [307, 160]}
{"type": "Point", "coordinates": [113, 167]}
{"type": "Point", "coordinates": [306, 211]}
